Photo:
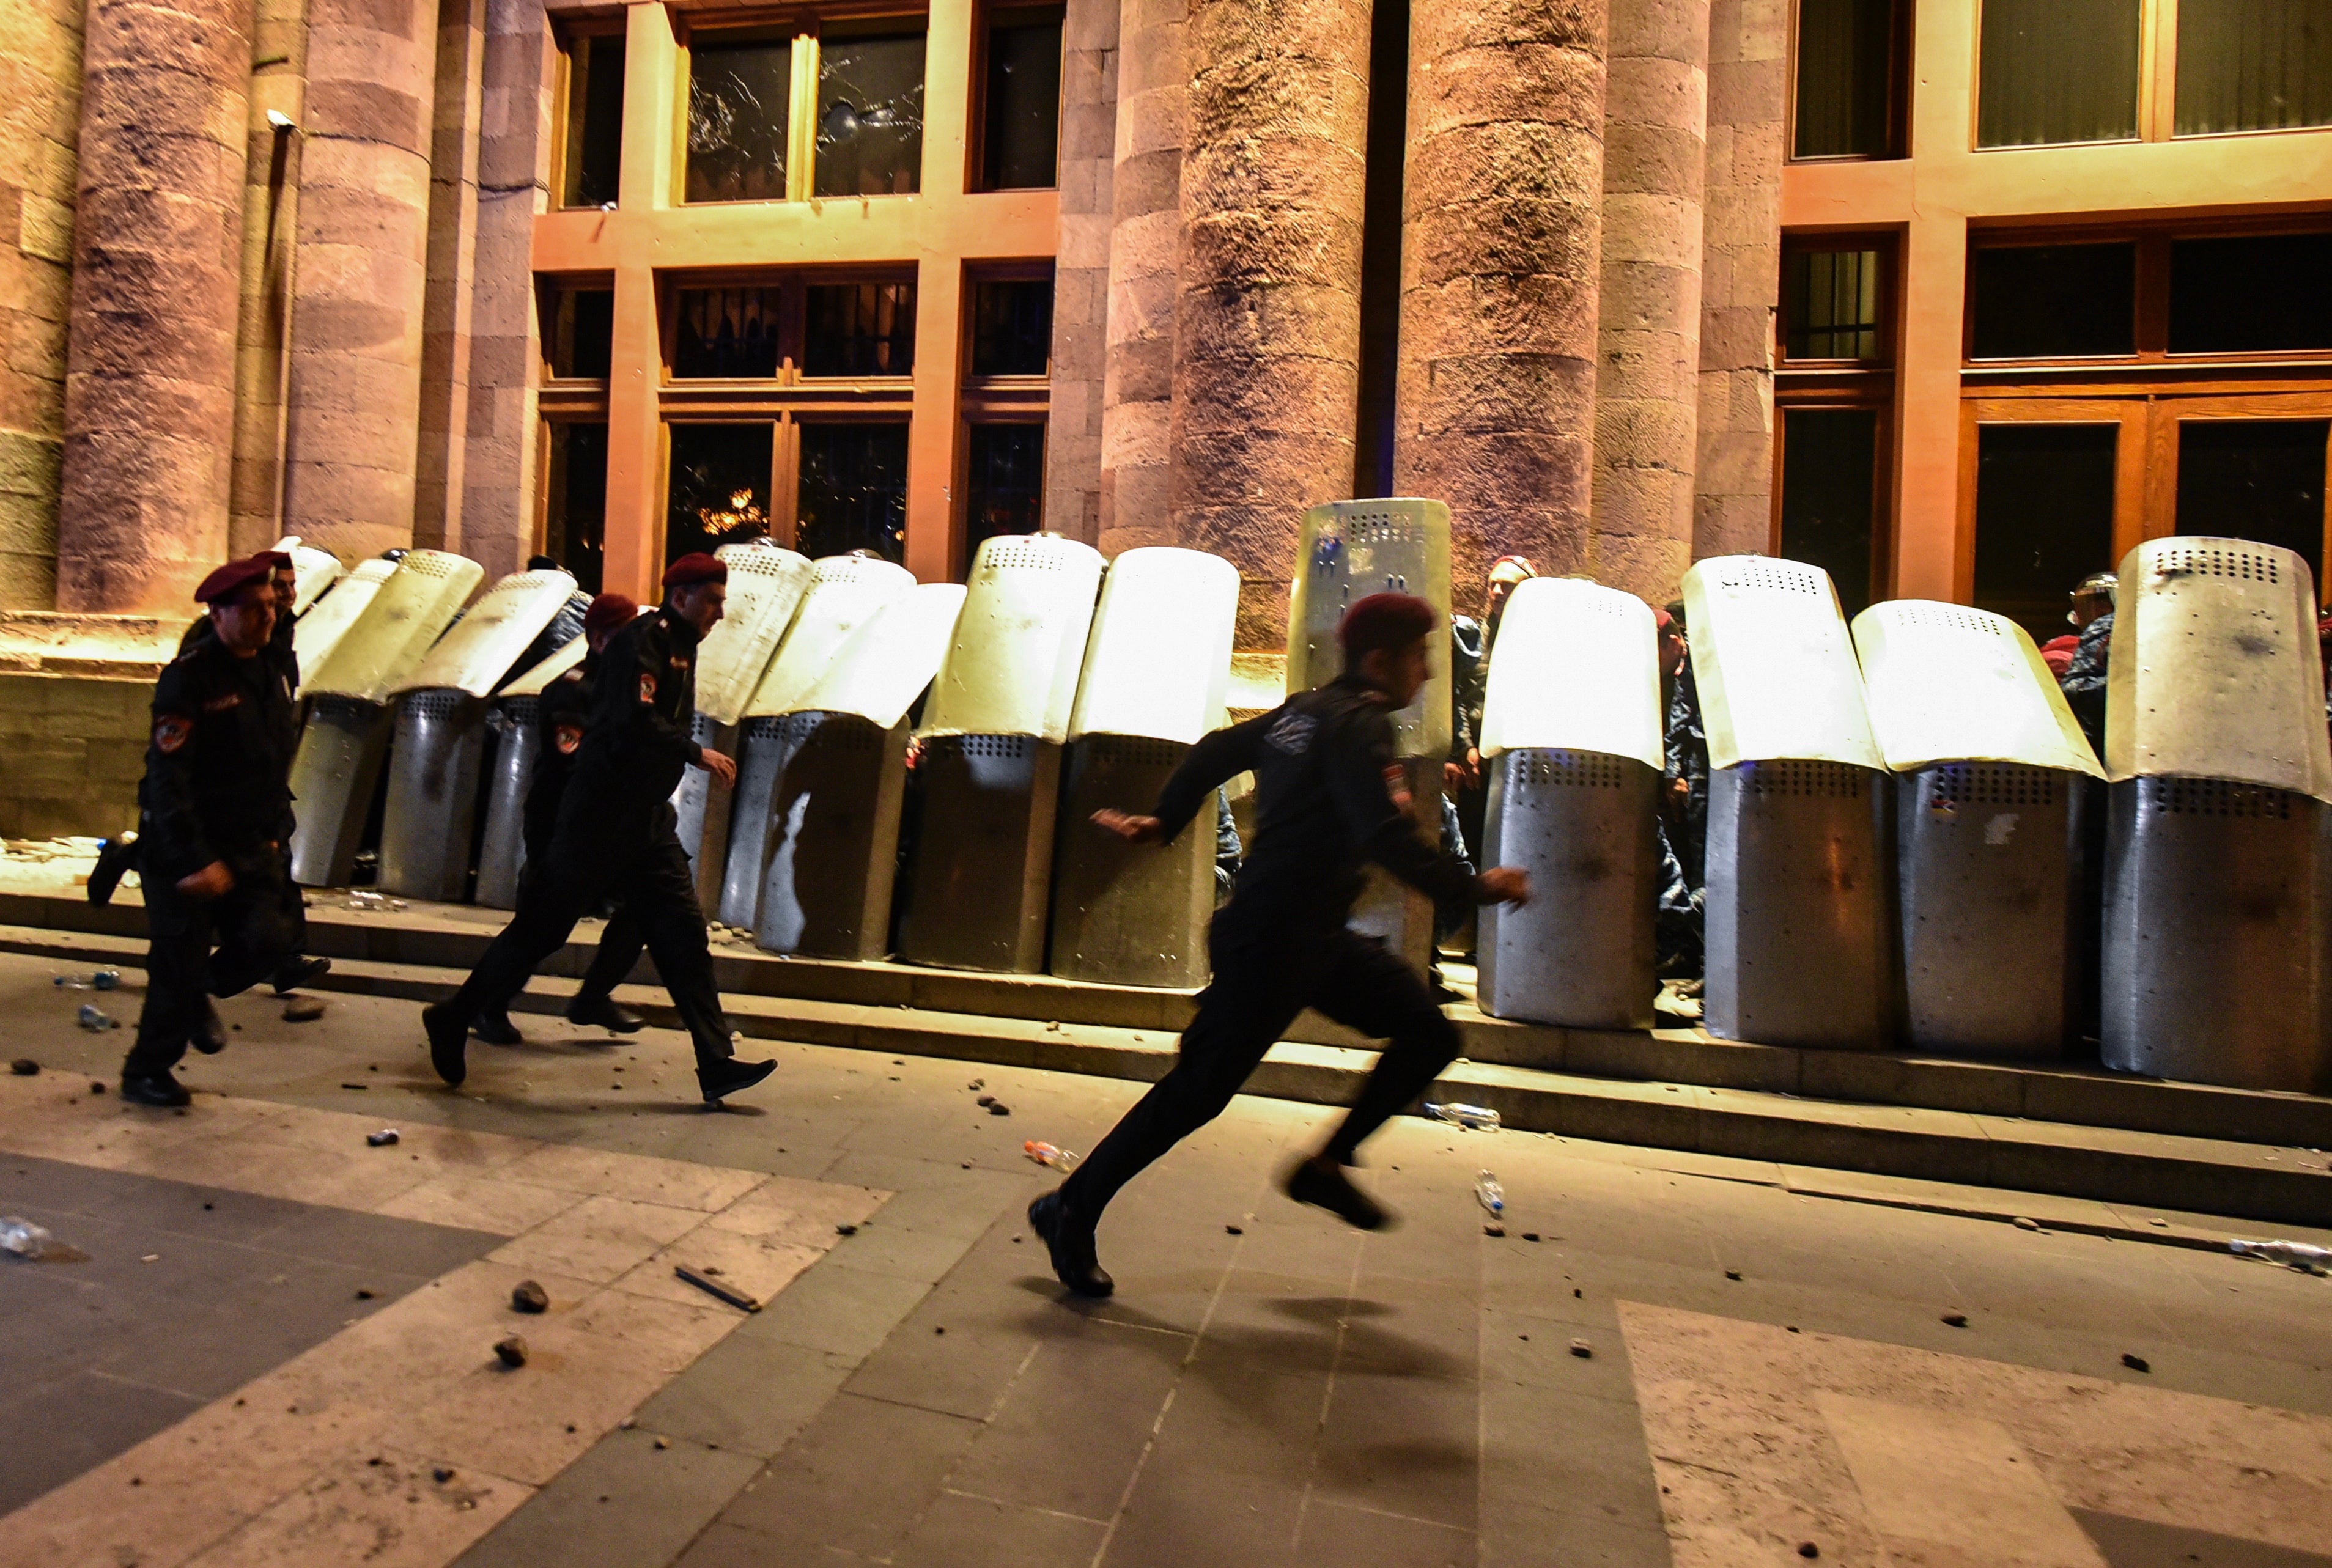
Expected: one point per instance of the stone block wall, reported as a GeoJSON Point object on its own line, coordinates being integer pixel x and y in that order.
{"type": "Point", "coordinates": [75, 746]}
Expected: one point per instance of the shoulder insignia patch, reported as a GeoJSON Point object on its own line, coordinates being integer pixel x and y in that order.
{"type": "Point", "coordinates": [1293, 733]}
{"type": "Point", "coordinates": [171, 730]}
{"type": "Point", "coordinates": [1396, 779]}
{"type": "Point", "coordinates": [647, 688]}
{"type": "Point", "coordinates": [567, 737]}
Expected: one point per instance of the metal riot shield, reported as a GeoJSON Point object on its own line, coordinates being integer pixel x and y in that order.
{"type": "Point", "coordinates": [1157, 670]}
{"type": "Point", "coordinates": [314, 570]}
{"type": "Point", "coordinates": [1988, 756]}
{"type": "Point", "coordinates": [1570, 730]}
{"type": "Point", "coordinates": [1775, 668]}
{"type": "Point", "coordinates": [395, 630]}
{"type": "Point", "coordinates": [989, 770]}
{"type": "Point", "coordinates": [702, 804]}
{"type": "Point", "coordinates": [333, 776]}
{"type": "Point", "coordinates": [432, 795]}
{"type": "Point", "coordinates": [322, 626]}
{"type": "Point", "coordinates": [509, 770]}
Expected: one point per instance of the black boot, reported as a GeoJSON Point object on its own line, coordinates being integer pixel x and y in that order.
{"type": "Point", "coordinates": [1321, 1182]}
{"type": "Point", "coordinates": [495, 1029]}
{"type": "Point", "coordinates": [449, 1041]}
{"type": "Point", "coordinates": [210, 1036]}
{"type": "Point", "coordinates": [721, 1079]}
{"type": "Point", "coordinates": [297, 970]}
{"type": "Point", "coordinates": [600, 1010]}
{"type": "Point", "coordinates": [114, 856]}
{"type": "Point", "coordinates": [159, 1090]}
{"type": "Point", "coordinates": [1071, 1244]}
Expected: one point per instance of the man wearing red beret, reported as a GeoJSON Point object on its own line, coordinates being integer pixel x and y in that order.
{"type": "Point", "coordinates": [1325, 779]}
{"type": "Point", "coordinates": [617, 834]}
{"type": "Point", "coordinates": [215, 799]}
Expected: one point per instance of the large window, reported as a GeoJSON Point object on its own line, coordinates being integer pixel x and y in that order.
{"type": "Point", "coordinates": [2152, 295]}
{"type": "Point", "coordinates": [1830, 497]}
{"type": "Point", "coordinates": [726, 333]}
{"type": "Point", "coordinates": [1020, 128]}
{"type": "Point", "coordinates": [859, 329]}
{"type": "Point", "coordinates": [2057, 71]}
{"type": "Point", "coordinates": [1011, 326]}
{"type": "Point", "coordinates": [2053, 302]}
{"type": "Point", "coordinates": [853, 494]}
{"type": "Point", "coordinates": [2253, 65]}
{"type": "Point", "coordinates": [870, 115]}
{"type": "Point", "coordinates": [2251, 293]}
{"type": "Point", "coordinates": [2044, 517]}
{"type": "Point", "coordinates": [1843, 92]}
{"type": "Point", "coordinates": [739, 127]}
{"type": "Point", "coordinates": [575, 498]}
{"type": "Point", "coordinates": [2255, 479]}
{"type": "Point", "coordinates": [718, 488]}
{"type": "Point", "coordinates": [1004, 485]}
{"type": "Point", "coordinates": [836, 113]}
{"type": "Point", "coordinates": [1831, 303]}
{"type": "Point", "coordinates": [591, 153]}
{"type": "Point", "coordinates": [579, 335]}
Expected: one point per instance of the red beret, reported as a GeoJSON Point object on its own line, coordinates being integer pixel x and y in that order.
{"type": "Point", "coordinates": [699, 568]}
{"type": "Point", "coordinates": [608, 612]}
{"type": "Point", "coordinates": [277, 560]}
{"type": "Point", "coordinates": [222, 583]}
{"type": "Point", "coordinates": [1386, 620]}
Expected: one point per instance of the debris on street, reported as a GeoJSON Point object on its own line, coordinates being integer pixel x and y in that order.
{"type": "Point", "coordinates": [382, 1138]}
{"type": "Point", "coordinates": [303, 1010]}
{"type": "Point", "coordinates": [510, 1352]}
{"type": "Point", "coordinates": [717, 1290]}
{"type": "Point", "coordinates": [528, 1296]}
{"type": "Point", "coordinates": [24, 1068]}
{"type": "Point", "coordinates": [1059, 1159]}
{"type": "Point", "coordinates": [95, 1021]}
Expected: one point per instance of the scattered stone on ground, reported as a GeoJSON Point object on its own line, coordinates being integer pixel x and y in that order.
{"type": "Point", "coordinates": [528, 1296]}
{"type": "Point", "coordinates": [303, 1010]}
{"type": "Point", "coordinates": [25, 1067]}
{"type": "Point", "coordinates": [510, 1352]}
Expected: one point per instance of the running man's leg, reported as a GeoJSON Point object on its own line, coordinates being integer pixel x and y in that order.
{"type": "Point", "coordinates": [621, 941]}
{"type": "Point", "coordinates": [1366, 988]}
{"type": "Point", "coordinates": [659, 894]}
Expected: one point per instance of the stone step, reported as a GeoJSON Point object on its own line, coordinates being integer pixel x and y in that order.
{"type": "Point", "coordinates": [452, 936]}
{"type": "Point", "coordinates": [2245, 1179]}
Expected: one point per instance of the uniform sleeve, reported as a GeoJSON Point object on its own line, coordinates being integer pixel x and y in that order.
{"type": "Point", "coordinates": [1360, 769]}
{"type": "Point", "coordinates": [1220, 755]}
{"type": "Point", "coordinates": [625, 703]}
{"type": "Point", "coordinates": [174, 836]}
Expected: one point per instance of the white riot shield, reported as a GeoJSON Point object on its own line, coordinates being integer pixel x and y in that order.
{"type": "Point", "coordinates": [766, 584]}
{"type": "Point", "coordinates": [1576, 668]}
{"type": "Point", "coordinates": [320, 629]}
{"type": "Point", "coordinates": [844, 591]}
{"type": "Point", "coordinates": [499, 628]}
{"type": "Point", "coordinates": [1947, 683]}
{"type": "Point", "coordinates": [2214, 672]}
{"type": "Point", "coordinates": [884, 667]}
{"type": "Point", "coordinates": [1158, 663]}
{"type": "Point", "coordinates": [313, 569]}
{"type": "Point", "coordinates": [395, 630]}
{"type": "Point", "coordinates": [1348, 550]}
{"type": "Point", "coordinates": [531, 682]}
{"type": "Point", "coordinates": [1019, 642]}
{"type": "Point", "coordinates": [1775, 668]}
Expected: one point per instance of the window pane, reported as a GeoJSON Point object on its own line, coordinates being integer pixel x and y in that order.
{"type": "Point", "coordinates": [1828, 474]}
{"type": "Point", "coordinates": [2260, 480]}
{"type": "Point", "coordinates": [2254, 64]}
{"type": "Point", "coordinates": [1005, 489]}
{"type": "Point", "coordinates": [870, 116]}
{"type": "Point", "coordinates": [854, 491]}
{"type": "Point", "coordinates": [731, 332]}
{"type": "Point", "coordinates": [2255, 293]}
{"type": "Point", "coordinates": [1845, 57]}
{"type": "Point", "coordinates": [1831, 303]}
{"type": "Point", "coordinates": [1012, 327]}
{"type": "Point", "coordinates": [2044, 517]}
{"type": "Point", "coordinates": [2035, 302]}
{"type": "Point", "coordinates": [582, 329]}
{"type": "Point", "coordinates": [1021, 143]}
{"type": "Point", "coordinates": [575, 512]}
{"type": "Point", "coordinates": [718, 492]}
{"type": "Point", "coordinates": [737, 98]}
{"type": "Point", "coordinates": [2057, 71]}
{"type": "Point", "coordinates": [859, 329]}
{"type": "Point", "coordinates": [595, 121]}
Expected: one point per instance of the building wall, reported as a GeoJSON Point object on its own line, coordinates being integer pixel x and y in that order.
{"type": "Point", "coordinates": [76, 749]}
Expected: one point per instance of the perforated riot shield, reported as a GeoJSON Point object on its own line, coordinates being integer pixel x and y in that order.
{"type": "Point", "coordinates": [333, 776]}
{"type": "Point", "coordinates": [1571, 733]}
{"type": "Point", "coordinates": [314, 570]}
{"type": "Point", "coordinates": [394, 631]}
{"type": "Point", "coordinates": [322, 626]}
{"type": "Point", "coordinates": [1157, 669]}
{"type": "Point", "coordinates": [482, 649]}
{"type": "Point", "coordinates": [509, 770]}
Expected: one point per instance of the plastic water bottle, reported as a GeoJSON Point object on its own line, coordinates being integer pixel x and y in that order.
{"type": "Point", "coordinates": [94, 1020]}
{"type": "Point", "coordinates": [23, 1238]}
{"type": "Point", "coordinates": [1490, 1195]}
{"type": "Point", "coordinates": [1473, 1118]}
{"type": "Point", "coordinates": [104, 980]}
{"type": "Point", "coordinates": [2302, 1256]}
{"type": "Point", "coordinates": [1048, 1154]}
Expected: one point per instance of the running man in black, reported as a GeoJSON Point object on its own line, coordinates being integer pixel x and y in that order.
{"type": "Point", "coordinates": [1326, 773]}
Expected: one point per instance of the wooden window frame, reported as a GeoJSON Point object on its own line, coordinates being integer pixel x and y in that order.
{"type": "Point", "coordinates": [1900, 85]}
{"type": "Point", "coordinates": [991, 16]}
{"type": "Point", "coordinates": [564, 34]}
{"type": "Point", "coordinates": [1876, 395]}
{"type": "Point", "coordinates": [1887, 242]}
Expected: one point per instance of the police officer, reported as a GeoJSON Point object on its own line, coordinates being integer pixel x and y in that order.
{"type": "Point", "coordinates": [1325, 784]}
{"type": "Point", "coordinates": [215, 799]}
{"type": "Point", "coordinates": [561, 716]}
{"type": "Point", "coordinates": [617, 833]}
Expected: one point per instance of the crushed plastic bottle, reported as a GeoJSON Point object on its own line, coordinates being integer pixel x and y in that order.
{"type": "Point", "coordinates": [2305, 1256]}
{"type": "Point", "coordinates": [1473, 1118]}
{"type": "Point", "coordinates": [23, 1238]}
{"type": "Point", "coordinates": [364, 899]}
{"type": "Point", "coordinates": [104, 980]}
{"type": "Point", "coordinates": [1059, 1159]}
{"type": "Point", "coordinates": [1490, 1195]}
{"type": "Point", "coordinates": [95, 1021]}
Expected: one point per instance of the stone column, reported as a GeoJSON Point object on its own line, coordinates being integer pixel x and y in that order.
{"type": "Point", "coordinates": [1073, 432]}
{"type": "Point", "coordinates": [1267, 333]}
{"type": "Point", "coordinates": [271, 217]}
{"type": "Point", "coordinates": [1496, 394]}
{"type": "Point", "coordinates": [1741, 275]}
{"type": "Point", "coordinates": [353, 416]}
{"type": "Point", "coordinates": [150, 378]}
{"type": "Point", "coordinates": [1145, 263]}
{"type": "Point", "coordinates": [1647, 382]}
{"type": "Point", "coordinates": [451, 302]}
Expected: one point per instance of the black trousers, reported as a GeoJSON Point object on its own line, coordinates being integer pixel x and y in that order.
{"type": "Point", "coordinates": [1260, 983]}
{"type": "Point", "coordinates": [254, 929]}
{"type": "Point", "coordinates": [620, 939]}
{"type": "Point", "coordinates": [639, 860]}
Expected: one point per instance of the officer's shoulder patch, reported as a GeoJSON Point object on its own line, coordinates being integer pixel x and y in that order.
{"type": "Point", "coordinates": [567, 737]}
{"type": "Point", "coordinates": [647, 687]}
{"type": "Point", "coordinates": [171, 732]}
{"type": "Point", "coordinates": [1291, 734]}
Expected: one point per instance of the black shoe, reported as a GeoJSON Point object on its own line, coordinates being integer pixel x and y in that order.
{"type": "Point", "coordinates": [114, 856]}
{"type": "Point", "coordinates": [721, 1079]}
{"type": "Point", "coordinates": [298, 970]}
{"type": "Point", "coordinates": [1321, 1182]}
{"type": "Point", "coordinates": [159, 1090]}
{"type": "Point", "coordinates": [210, 1037]}
{"type": "Point", "coordinates": [448, 1041]}
{"type": "Point", "coordinates": [1071, 1245]}
{"type": "Point", "coordinates": [601, 1011]}
{"type": "Point", "coordinates": [495, 1029]}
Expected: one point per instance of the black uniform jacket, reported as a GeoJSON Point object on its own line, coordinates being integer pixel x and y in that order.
{"type": "Point", "coordinates": [636, 744]}
{"type": "Point", "coordinates": [1324, 776]}
{"type": "Point", "coordinates": [218, 761]}
{"type": "Point", "coordinates": [561, 716]}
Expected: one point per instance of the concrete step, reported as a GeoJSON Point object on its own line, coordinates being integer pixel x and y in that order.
{"type": "Point", "coordinates": [2242, 1179]}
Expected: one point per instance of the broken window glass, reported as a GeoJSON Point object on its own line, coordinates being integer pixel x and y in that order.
{"type": "Point", "coordinates": [720, 487]}
{"type": "Point", "coordinates": [854, 490]}
{"type": "Point", "coordinates": [737, 101]}
{"type": "Point", "coordinates": [870, 116]}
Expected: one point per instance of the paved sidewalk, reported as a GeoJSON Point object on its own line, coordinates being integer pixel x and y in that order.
{"type": "Point", "coordinates": [1268, 1388]}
